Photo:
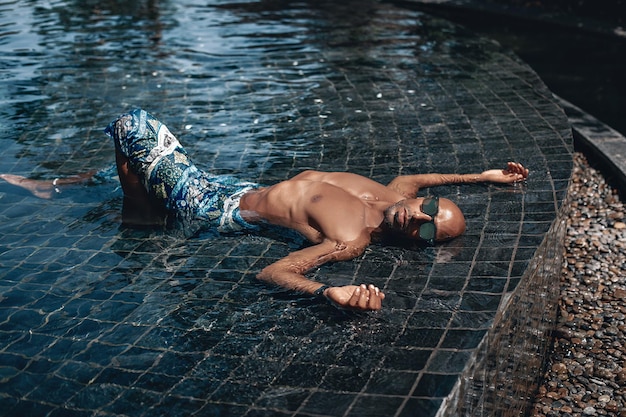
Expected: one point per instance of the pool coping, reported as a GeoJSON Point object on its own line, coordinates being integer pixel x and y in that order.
{"type": "Point", "coordinates": [599, 141]}
{"type": "Point", "coordinates": [529, 13]}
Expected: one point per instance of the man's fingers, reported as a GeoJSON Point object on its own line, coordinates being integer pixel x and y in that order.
{"type": "Point", "coordinates": [366, 298]}
{"type": "Point", "coordinates": [518, 170]}
{"type": "Point", "coordinates": [360, 297]}
{"type": "Point", "coordinates": [376, 298]}
{"type": "Point", "coordinates": [354, 298]}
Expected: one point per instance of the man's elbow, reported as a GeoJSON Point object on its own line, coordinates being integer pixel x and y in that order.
{"type": "Point", "coordinates": [262, 276]}
{"type": "Point", "coordinates": [266, 275]}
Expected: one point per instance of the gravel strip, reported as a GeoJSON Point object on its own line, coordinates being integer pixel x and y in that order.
{"type": "Point", "coordinates": [586, 370]}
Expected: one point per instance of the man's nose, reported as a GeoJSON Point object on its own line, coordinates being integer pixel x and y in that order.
{"type": "Point", "coordinates": [418, 215]}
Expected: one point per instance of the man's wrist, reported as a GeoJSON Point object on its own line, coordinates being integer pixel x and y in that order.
{"type": "Point", "coordinates": [320, 291]}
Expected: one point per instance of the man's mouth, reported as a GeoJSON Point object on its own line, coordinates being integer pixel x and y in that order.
{"type": "Point", "coordinates": [401, 217]}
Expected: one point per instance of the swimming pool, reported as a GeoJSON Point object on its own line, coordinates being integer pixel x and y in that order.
{"type": "Point", "coordinates": [98, 319]}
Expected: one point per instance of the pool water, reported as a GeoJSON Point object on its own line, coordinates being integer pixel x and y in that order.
{"type": "Point", "coordinates": [100, 319]}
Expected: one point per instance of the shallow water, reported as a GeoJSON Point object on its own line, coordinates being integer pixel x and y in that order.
{"type": "Point", "coordinates": [96, 318]}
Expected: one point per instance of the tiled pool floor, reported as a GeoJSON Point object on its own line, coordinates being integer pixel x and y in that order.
{"type": "Point", "coordinates": [99, 319]}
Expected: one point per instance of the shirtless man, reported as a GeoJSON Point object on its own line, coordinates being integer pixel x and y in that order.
{"type": "Point", "coordinates": [338, 212]}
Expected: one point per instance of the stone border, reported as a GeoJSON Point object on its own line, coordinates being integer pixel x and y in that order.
{"type": "Point", "coordinates": [600, 141]}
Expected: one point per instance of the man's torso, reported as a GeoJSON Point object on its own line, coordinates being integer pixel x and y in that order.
{"type": "Point", "coordinates": [338, 206]}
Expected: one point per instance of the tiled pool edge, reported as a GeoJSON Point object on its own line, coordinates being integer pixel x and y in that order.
{"type": "Point", "coordinates": [507, 367]}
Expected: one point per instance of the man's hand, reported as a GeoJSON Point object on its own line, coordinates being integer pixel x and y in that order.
{"type": "Point", "coordinates": [514, 172]}
{"type": "Point", "coordinates": [356, 297]}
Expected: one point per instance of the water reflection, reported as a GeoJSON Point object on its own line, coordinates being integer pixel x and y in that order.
{"type": "Point", "coordinates": [262, 90]}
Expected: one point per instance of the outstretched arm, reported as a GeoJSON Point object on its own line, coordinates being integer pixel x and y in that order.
{"type": "Point", "coordinates": [409, 185]}
{"type": "Point", "coordinates": [288, 273]}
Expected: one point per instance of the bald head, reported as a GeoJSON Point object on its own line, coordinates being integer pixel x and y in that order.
{"type": "Point", "coordinates": [450, 220]}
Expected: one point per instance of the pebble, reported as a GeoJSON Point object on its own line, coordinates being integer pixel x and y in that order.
{"type": "Point", "coordinates": [586, 369]}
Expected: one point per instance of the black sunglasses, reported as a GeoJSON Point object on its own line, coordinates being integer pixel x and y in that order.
{"type": "Point", "coordinates": [428, 230]}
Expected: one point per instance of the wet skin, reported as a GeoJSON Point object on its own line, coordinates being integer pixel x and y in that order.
{"type": "Point", "coordinates": [338, 212]}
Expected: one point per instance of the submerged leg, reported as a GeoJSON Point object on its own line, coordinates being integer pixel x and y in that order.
{"type": "Point", "coordinates": [137, 209]}
{"type": "Point", "coordinates": [45, 188]}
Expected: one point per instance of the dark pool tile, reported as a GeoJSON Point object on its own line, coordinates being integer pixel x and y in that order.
{"type": "Point", "coordinates": [281, 398]}
{"type": "Point", "coordinates": [79, 371]}
{"type": "Point", "coordinates": [301, 375]}
{"type": "Point", "coordinates": [490, 269]}
{"type": "Point", "coordinates": [498, 240]}
{"type": "Point", "coordinates": [25, 407]}
{"type": "Point", "coordinates": [400, 300]}
{"type": "Point", "coordinates": [196, 387]}
{"type": "Point", "coordinates": [258, 371]}
{"type": "Point", "coordinates": [406, 359]}
{"type": "Point", "coordinates": [215, 367]}
{"type": "Point", "coordinates": [319, 352]}
{"type": "Point", "coordinates": [375, 406]}
{"type": "Point", "coordinates": [68, 412]}
{"type": "Point", "coordinates": [176, 363]}
{"type": "Point", "coordinates": [156, 382]}
{"type": "Point", "coordinates": [53, 390]}
{"type": "Point", "coordinates": [449, 361]}
{"type": "Point", "coordinates": [447, 282]}
{"type": "Point", "coordinates": [137, 359]}
{"type": "Point", "coordinates": [213, 289]}
{"type": "Point", "coordinates": [114, 311]}
{"type": "Point", "coordinates": [328, 403]}
{"type": "Point", "coordinates": [513, 283]}
{"type": "Point", "coordinates": [279, 347]}
{"type": "Point", "coordinates": [535, 228]}
{"type": "Point", "coordinates": [221, 275]}
{"type": "Point", "coordinates": [458, 268]}
{"type": "Point", "coordinates": [87, 328]}
{"type": "Point", "coordinates": [170, 406]}
{"type": "Point", "coordinates": [487, 285]}
{"type": "Point", "coordinates": [435, 385]}
{"type": "Point", "coordinates": [421, 407]}
{"type": "Point", "coordinates": [239, 345]}
{"type": "Point", "coordinates": [389, 382]}
{"type": "Point", "coordinates": [472, 319]}
{"type": "Point", "coordinates": [530, 241]}
{"type": "Point", "coordinates": [219, 409]}
{"type": "Point", "coordinates": [50, 302]}
{"type": "Point", "coordinates": [463, 339]}
{"type": "Point", "coordinates": [238, 392]}
{"type": "Point", "coordinates": [21, 296]}
{"type": "Point", "coordinates": [496, 226]}
{"type": "Point", "coordinates": [439, 300]}
{"type": "Point", "coordinates": [236, 263]}
{"type": "Point", "coordinates": [344, 379]}
{"type": "Point", "coordinates": [99, 353]}
{"type": "Point", "coordinates": [475, 301]}
{"type": "Point", "coordinates": [133, 402]}
{"type": "Point", "coordinates": [495, 254]}
{"type": "Point", "coordinates": [42, 366]}
{"type": "Point", "coordinates": [25, 345]}
{"type": "Point", "coordinates": [66, 349]}
{"type": "Point", "coordinates": [21, 384]}
{"type": "Point", "coordinates": [23, 319]}
{"type": "Point", "coordinates": [547, 185]}
{"type": "Point", "coordinates": [420, 337]}
{"type": "Point", "coordinates": [11, 274]}
{"type": "Point", "coordinates": [508, 217]}
{"type": "Point", "coordinates": [117, 376]}
{"type": "Point", "coordinates": [362, 356]}
{"type": "Point", "coordinates": [429, 319]}
{"type": "Point", "coordinates": [124, 334]}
